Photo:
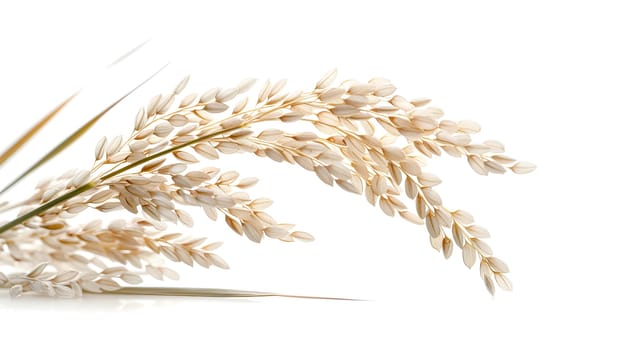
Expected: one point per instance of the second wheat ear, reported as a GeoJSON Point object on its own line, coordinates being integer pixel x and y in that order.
{"type": "Point", "coordinates": [362, 137]}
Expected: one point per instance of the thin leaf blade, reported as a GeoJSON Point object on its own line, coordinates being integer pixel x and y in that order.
{"type": "Point", "coordinates": [19, 143]}
{"type": "Point", "coordinates": [74, 136]}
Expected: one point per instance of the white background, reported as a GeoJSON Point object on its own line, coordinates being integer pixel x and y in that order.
{"type": "Point", "coordinates": [544, 77]}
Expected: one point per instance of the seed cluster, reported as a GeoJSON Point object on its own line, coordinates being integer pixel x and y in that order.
{"type": "Point", "coordinates": [361, 137]}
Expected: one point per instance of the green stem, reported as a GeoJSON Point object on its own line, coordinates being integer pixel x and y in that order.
{"type": "Point", "coordinates": [46, 206]}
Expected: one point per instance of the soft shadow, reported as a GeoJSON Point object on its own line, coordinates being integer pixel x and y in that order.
{"type": "Point", "coordinates": [106, 302]}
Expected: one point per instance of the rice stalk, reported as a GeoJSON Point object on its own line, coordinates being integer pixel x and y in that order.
{"type": "Point", "coordinates": [359, 136]}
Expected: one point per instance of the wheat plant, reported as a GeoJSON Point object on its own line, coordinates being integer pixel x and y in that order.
{"type": "Point", "coordinates": [359, 136]}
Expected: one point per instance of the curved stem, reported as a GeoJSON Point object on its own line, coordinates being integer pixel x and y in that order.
{"type": "Point", "coordinates": [43, 208]}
